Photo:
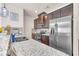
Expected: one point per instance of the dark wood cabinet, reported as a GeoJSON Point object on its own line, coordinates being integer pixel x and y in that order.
{"type": "Point", "coordinates": [66, 11]}
{"type": "Point", "coordinates": [41, 17]}
{"type": "Point", "coordinates": [45, 39]}
{"type": "Point", "coordinates": [33, 35]}
{"type": "Point", "coordinates": [41, 21]}
{"type": "Point", "coordinates": [35, 23]}
{"type": "Point", "coordinates": [56, 14]}
{"type": "Point", "coordinates": [45, 21]}
{"type": "Point", "coordinates": [50, 16]}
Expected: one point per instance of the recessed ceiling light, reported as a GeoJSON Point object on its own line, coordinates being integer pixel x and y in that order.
{"type": "Point", "coordinates": [35, 11]}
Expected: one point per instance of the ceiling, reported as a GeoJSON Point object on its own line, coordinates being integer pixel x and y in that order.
{"type": "Point", "coordinates": [33, 9]}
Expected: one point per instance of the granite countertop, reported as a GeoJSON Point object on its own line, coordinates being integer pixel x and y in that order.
{"type": "Point", "coordinates": [35, 48]}
{"type": "Point", "coordinates": [4, 43]}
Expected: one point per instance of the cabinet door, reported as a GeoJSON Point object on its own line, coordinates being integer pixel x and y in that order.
{"type": "Point", "coordinates": [40, 19]}
{"type": "Point", "coordinates": [45, 40]}
{"type": "Point", "coordinates": [45, 21]}
{"type": "Point", "coordinates": [50, 16]}
{"type": "Point", "coordinates": [56, 14]}
{"type": "Point", "coordinates": [33, 35]}
{"type": "Point", "coordinates": [35, 23]}
{"type": "Point", "coordinates": [66, 11]}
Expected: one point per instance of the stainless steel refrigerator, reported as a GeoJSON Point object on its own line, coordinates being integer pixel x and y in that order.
{"type": "Point", "coordinates": [61, 36]}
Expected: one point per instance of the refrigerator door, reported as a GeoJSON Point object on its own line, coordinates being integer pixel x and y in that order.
{"type": "Point", "coordinates": [64, 36]}
{"type": "Point", "coordinates": [53, 33]}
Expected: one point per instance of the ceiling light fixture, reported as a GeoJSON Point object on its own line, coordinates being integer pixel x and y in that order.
{"type": "Point", "coordinates": [4, 10]}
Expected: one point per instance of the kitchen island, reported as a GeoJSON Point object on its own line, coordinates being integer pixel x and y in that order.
{"type": "Point", "coordinates": [34, 48]}
{"type": "Point", "coordinates": [4, 44]}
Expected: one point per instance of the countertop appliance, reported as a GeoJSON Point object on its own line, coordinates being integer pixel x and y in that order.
{"type": "Point", "coordinates": [60, 36]}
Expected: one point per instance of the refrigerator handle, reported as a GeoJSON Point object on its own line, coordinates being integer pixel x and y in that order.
{"type": "Point", "coordinates": [52, 31]}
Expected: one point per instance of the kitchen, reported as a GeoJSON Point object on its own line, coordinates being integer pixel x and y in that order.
{"type": "Point", "coordinates": [43, 24]}
{"type": "Point", "coordinates": [53, 28]}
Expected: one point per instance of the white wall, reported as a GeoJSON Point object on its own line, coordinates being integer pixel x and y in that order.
{"type": "Point", "coordinates": [28, 25]}
{"type": "Point", "coordinates": [76, 28]}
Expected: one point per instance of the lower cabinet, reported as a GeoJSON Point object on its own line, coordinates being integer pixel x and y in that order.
{"type": "Point", "coordinates": [33, 35]}
{"type": "Point", "coordinates": [45, 39]}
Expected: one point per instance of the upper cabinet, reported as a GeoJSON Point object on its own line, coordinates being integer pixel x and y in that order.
{"type": "Point", "coordinates": [43, 18]}
{"type": "Point", "coordinates": [45, 21]}
{"type": "Point", "coordinates": [62, 12]}
{"type": "Point", "coordinates": [35, 23]}
{"type": "Point", "coordinates": [41, 21]}
{"type": "Point", "coordinates": [56, 14]}
{"type": "Point", "coordinates": [50, 16]}
{"type": "Point", "coordinates": [66, 11]}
